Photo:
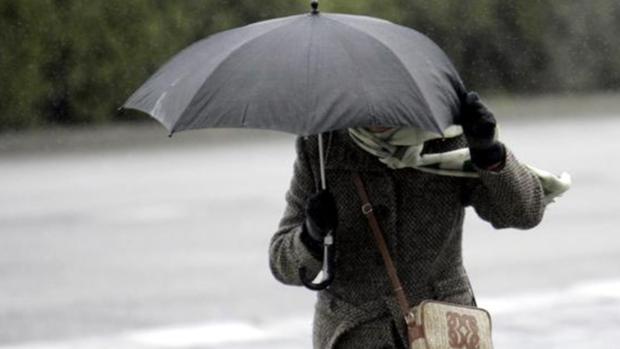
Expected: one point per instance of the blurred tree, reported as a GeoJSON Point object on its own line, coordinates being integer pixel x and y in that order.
{"type": "Point", "coordinates": [583, 44]}
{"type": "Point", "coordinates": [21, 76]}
{"type": "Point", "coordinates": [76, 61]}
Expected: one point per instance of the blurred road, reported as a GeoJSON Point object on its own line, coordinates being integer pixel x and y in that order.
{"type": "Point", "coordinates": [122, 238]}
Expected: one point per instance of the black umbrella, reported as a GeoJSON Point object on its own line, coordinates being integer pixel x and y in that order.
{"type": "Point", "coordinates": [306, 74]}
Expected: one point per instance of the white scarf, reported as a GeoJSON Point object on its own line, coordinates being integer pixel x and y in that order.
{"type": "Point", "coordinates": [402, 147]}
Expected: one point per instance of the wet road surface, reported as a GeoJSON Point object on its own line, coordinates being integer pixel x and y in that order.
{"type": "Point", "coordinates": [122, 238]}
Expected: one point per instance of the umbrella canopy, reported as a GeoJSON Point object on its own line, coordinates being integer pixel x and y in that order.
{"type": "Point", "coordinates": [306, 74]}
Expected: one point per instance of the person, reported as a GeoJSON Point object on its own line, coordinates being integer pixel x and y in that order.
{"type": "Point", "coordinates": [420, 206]}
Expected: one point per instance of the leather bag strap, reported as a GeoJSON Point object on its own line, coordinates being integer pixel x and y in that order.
{"type": "Point", "coordinates": [367, 209]}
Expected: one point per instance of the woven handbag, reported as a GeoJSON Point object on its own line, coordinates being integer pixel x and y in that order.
{"type": "Point", "coordinates": [431, 324]}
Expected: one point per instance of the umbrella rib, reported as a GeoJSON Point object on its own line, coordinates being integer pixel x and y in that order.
{"type": "Point", "coordinates": [410, 79]}
{"type": "Point", "coordinates": [232, 52]}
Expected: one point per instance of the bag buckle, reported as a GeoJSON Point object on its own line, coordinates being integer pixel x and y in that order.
{"type": "Point", "coordinates": [366, 208]}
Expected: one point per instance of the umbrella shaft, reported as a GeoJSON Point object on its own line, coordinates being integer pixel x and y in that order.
{"type": "Point", "coordinates": [322, 162]}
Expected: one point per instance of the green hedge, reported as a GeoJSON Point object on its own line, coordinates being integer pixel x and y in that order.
{"type": "Point", "coordinates": [76, 61]}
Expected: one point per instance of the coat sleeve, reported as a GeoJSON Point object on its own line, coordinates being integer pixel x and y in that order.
{"type": "Point", "coordinates": [509, 198]}
{"type": "Point", "coordinates": [287, 253]}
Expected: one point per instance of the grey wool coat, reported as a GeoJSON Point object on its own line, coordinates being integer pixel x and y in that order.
{"type": "Point", "coordinates": [421, 215]}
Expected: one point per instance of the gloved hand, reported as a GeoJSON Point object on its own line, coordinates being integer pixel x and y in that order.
{"type": "Point", "coordinates": [321, 218]}
{"type": "Point", "coordinates": [479, 127]}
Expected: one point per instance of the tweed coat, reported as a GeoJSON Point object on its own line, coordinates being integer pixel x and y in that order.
{"type": "Point", "coordinates": [421, 216]}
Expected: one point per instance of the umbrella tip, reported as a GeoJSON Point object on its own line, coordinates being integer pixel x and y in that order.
{"type": "Point", "coordinates": [315, 7]}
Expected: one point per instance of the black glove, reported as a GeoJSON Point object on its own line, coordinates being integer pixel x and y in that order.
{"type": "Point", "coordinates": [479, 128]}
{"type": "Point", "coordinates": [321, 218]}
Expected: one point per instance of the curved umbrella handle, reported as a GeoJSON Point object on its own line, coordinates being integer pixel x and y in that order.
{"type": "Point", "coordinates": [328, 266]}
